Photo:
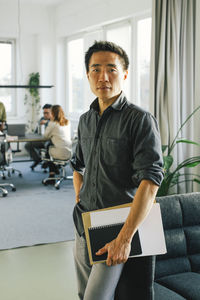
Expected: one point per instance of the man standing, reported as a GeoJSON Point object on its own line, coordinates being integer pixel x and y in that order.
{"type": "Point", "coordinates": [118, 160]}
{"type": "Point", "coordinates": [33, 148]}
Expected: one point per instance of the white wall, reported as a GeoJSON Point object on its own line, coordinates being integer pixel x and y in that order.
{"type": "Point", "coordinates": [74, 17]}
{"type": "Point", "coordinates": [35, 44]}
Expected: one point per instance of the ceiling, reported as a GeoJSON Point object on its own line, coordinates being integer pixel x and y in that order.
{"type": "Point", "coordinates": [42, 2]}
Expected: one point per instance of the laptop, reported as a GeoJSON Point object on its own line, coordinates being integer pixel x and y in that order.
{"type": "Point", "coordinates": [16, 129]}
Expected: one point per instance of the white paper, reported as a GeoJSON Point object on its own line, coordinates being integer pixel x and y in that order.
{"type": "Point", "coordinates": [150, 231]}
{"type": "Point", "coordinates": [112, 216]}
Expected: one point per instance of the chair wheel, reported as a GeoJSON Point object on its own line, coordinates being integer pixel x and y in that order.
{"type": "Point", "coordinates": [14, 189]}
{"type": "Point", "coordinates": [57, 187]}
{"type": "Point", "coordinates": [13, 171]}
{"type": "Point", "coordinates": [4, 194]}
{"type": "Point", "coordinates": [20, 174]}
{"type": "Point", "coordinates": [3, 177]}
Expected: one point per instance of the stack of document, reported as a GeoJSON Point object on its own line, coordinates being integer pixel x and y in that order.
{"type": "Point", "coordinates": [102, 226]}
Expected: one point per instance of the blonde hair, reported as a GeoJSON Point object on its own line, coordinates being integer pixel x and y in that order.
{"type": "Point", "coordinates": [58, 115]}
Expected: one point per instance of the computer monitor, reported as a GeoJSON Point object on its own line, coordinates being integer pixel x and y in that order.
{"type": "Point", "coordinates": [16, 129]}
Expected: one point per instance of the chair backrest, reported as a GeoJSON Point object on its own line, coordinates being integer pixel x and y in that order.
{"type": "Point", "coordinates": [5, 151]}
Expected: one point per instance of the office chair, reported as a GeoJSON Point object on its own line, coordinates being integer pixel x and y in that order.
{"type": "Point", "coordinates": [8, 154]}
{"type": "Point", "coordinates": [6, 151]}
{"type": "Point", "coordinates": [61, 164]}
{"type": "Point", "coordinates": [5, 159]}
{"type": "Point", "coordinates": [3, 189]}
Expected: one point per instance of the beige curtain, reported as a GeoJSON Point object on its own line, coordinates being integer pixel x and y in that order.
{"type": "Point", "coordinates": [197, 86]}
{"type": "Point", "coordinates": [173, 71]}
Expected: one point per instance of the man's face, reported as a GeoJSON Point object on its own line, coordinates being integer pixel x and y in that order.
{"type": "Point", "coordinates": [106, 75]}
{"type": "Point", "coordinates": [47, 113]}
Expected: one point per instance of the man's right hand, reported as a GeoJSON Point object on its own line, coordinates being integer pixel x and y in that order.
{"type": "Point", "coordinates": [42, 122]}
{"type": "Point", "coordinates": [78, 181]}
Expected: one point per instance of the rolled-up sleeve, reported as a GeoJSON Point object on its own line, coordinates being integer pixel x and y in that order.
{"type": "Point", "coordinates": [77, 161]}
{"type": "Point", "coordinates": [148, 161]}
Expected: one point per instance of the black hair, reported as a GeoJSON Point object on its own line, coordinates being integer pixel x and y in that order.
{"type": "Point", "coordinates": [47, 106]}
{"type": "Point", "coordinates": [106, 46]}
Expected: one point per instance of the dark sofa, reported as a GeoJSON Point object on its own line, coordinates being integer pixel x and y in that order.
{"type": "Point", "coordinates": [177, 273]}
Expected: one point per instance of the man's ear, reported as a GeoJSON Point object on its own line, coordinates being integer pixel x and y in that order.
{"type": "Point", "coordinates": [125, 74]}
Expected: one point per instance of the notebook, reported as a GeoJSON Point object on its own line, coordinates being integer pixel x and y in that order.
{"type": "Point", "coordinates": [99, 236]}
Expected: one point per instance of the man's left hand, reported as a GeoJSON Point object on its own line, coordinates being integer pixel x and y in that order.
{"type": "Point", "coordinates": [118, 252]}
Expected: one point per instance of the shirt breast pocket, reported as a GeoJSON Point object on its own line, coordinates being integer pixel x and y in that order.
{"type": "Point", "coordinates": [116, 152]}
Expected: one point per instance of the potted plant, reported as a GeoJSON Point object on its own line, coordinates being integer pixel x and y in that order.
{"type": "Point", "coordinates": [174, 176]}
{"type": "Point", "coordinates": [33, 101]}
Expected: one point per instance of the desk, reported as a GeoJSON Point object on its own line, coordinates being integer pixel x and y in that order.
{"type": "Point", "coordinates": [32, 137]}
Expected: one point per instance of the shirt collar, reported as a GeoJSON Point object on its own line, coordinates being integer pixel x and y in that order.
{"type": "Point", "coordinates": [117, 105]}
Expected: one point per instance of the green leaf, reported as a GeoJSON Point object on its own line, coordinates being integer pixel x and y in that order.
{"type": "Point", "coordinates": [196, 180]}
{"type": "Point", "coordinates": [191, 165]}
{"type": "Point", "coordinates": [168, 161]}
{"type": "Point", "coordinates": [189, 162]}
{"type": "Point", "coordinates": [188, 142]}
{"type": "Point", "coordinates": [164, 147]}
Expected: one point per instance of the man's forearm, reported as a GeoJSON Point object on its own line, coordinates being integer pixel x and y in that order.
{"type": "Point", "coordinates": [77, 181]}
{"type": "Point", "coordinates": [140, 208]}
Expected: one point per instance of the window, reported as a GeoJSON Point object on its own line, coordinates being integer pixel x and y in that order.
{"type": "Point", "coordinates": [7, 74]}
{"type": "Point", "coordinates": [75, 75]}
{"type": "Point", "coordinates": [121, 35]}
{"type": "Point", "coordinates": [143, 61]}
{"type": "Point", "coordinates": [134, 36]}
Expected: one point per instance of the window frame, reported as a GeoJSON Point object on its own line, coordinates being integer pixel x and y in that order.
{"type": "Point", "coordinates": [13, 74]}
{"type": "Point", "coordinates": [137, 94]}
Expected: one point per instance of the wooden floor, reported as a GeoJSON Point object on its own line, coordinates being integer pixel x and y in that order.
{"type": "Point", "coordinates": [44, 272]}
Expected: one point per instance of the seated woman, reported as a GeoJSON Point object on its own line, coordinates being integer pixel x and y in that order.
{"type": "Point", "coordinates": [58, 131]}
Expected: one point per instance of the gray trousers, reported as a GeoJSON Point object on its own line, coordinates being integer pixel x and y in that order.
{"type": "Point", "coordinates": [33, 148]}
{"type": "Point", "coordinates": [94, 282]}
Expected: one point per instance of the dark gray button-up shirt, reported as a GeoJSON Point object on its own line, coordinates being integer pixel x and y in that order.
{"type": "Point", "coordinates": [114, 153]}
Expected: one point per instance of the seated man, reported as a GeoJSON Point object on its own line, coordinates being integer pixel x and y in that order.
{"type": "Point", "coordinates": [33, 148]}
